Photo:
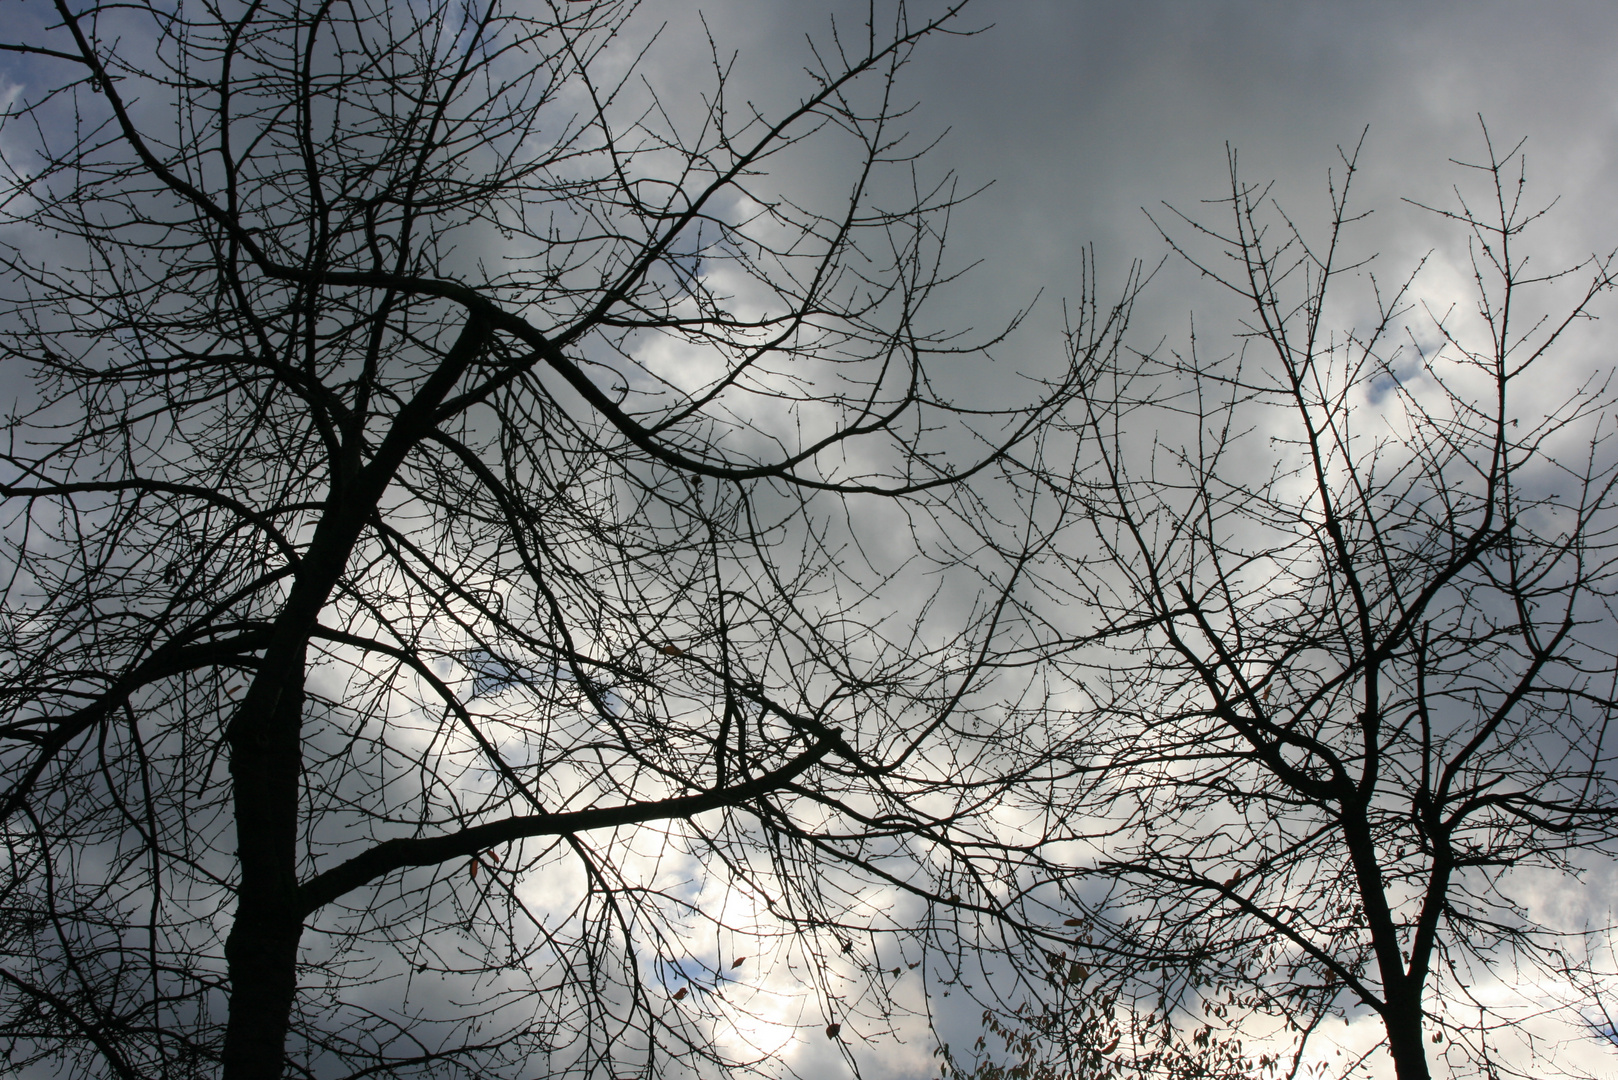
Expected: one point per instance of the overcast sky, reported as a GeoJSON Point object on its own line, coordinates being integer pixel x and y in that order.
{"type": "Point", "coordinates": [1081, 112]}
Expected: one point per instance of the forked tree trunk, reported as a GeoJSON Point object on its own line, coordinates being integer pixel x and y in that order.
{"type": "Point", "coordinates": [266, 748]}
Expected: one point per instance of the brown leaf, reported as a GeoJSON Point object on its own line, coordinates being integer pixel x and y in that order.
{"type": "Point", "coordinates": [1072, 922]}
{"type": "Point", "coordinates": [679, 995]}
{"type": "Point", "coordinates": [671, 650]}
{"type": "Point", "coordinates": [472, 868]}
{"type": "Point", "coordinates": [832, 1030]}
{"type": "Point", "coordinates": [736, 963]}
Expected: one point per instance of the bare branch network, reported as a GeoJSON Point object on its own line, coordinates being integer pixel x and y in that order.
{"type": "Point", "coordinates": [440, 639]}
{"type": "Point", "coordinates": [1358, 591]}
{"type": "Point", "coordinates": [510, 571]}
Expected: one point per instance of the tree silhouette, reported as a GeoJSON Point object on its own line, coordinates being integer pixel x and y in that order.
{"type": "Point", "coordinates": [413, 564]}
{"type": "Point", "coordinates": [1357, 588]}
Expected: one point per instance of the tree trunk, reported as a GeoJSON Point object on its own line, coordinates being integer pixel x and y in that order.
{"type": "Point", "coordinates": [266, 753]}
{"type": "Point", "coordinates": [1403, 1023]}
{"type": "Point", "coordinates": [261, 953]}
{"type": "Point", "coordinates": [262, 956]}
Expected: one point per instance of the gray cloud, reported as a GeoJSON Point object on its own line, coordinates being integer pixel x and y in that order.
{"type": "Point", "coordinates": [1081, 112]}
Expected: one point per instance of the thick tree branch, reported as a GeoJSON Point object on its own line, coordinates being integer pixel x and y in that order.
{"type": "Point", "coordinates": [397, 854]}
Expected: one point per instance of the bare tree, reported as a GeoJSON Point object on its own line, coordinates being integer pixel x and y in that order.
{"type": "Point", "coordinates": [1357, 590]}
{"type": "Point", "coordinates": [411, 563]}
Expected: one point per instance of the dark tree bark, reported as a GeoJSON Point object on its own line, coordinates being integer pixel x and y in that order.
{"type": "Point", "coordinates": [261, 953]}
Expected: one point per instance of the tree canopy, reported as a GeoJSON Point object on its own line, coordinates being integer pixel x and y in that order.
{"type": "Point", "coordinates": [440, 636]}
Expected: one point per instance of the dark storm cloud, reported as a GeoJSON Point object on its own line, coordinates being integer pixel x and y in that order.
{"type": "Point", "coordinates": [1082, 113]}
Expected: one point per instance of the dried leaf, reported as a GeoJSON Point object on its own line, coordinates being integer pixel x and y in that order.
{"type": "Point", "coordinates": [736, 963]}
{"type": "Point", "coordinates": [832, 1030]}
{"type": "Point", "coordinates": [1072, 922]}
{"type": "Point", "coordinates": [679, 995]}
{"type": "Point", "coordinates": [472, 868]}
{"type": "Point", "coordinates": [671, 650]}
